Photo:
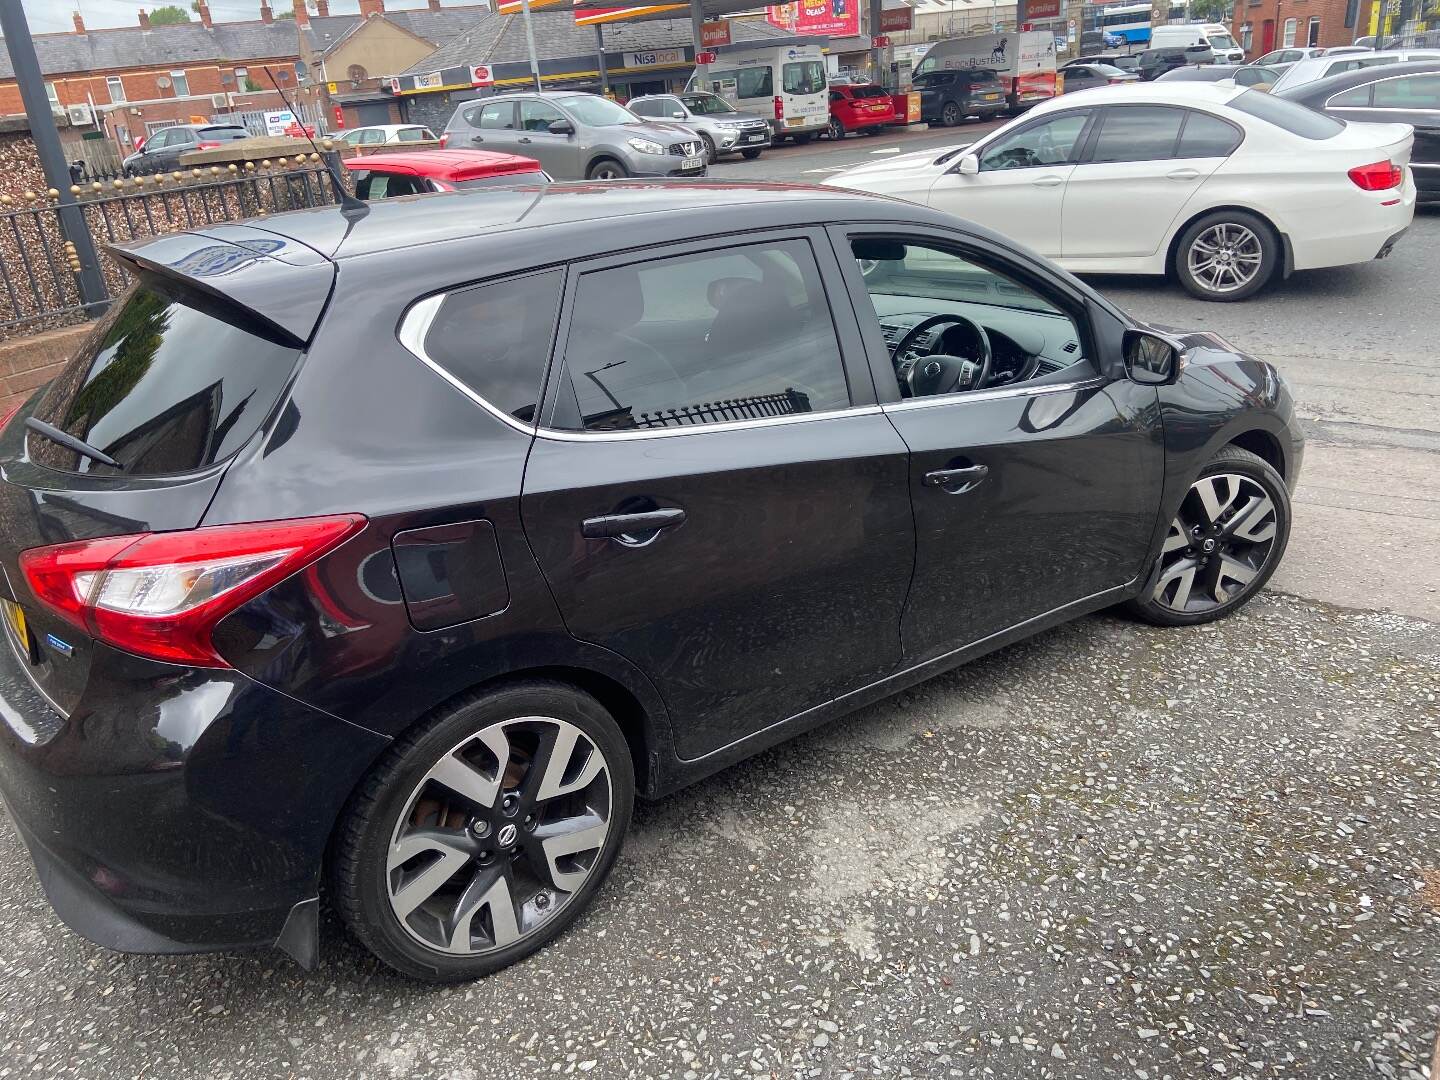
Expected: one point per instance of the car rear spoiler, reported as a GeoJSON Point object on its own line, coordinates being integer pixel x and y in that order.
{"type": "Point", "coordinates": [275, 280]}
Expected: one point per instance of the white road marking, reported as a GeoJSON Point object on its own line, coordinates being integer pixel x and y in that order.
{"type": "Point", "coordinates": [887, 150]}
{"type": "Point", "coordinates": [831, 168]}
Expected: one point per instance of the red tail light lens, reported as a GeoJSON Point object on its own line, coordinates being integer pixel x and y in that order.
{"type": "Point", "coordinates": [1380, 176]}
{"type": "Point", "coordinates": [779, 107]}
{"type": "Point", "coordinates": [161, 594]}
{"type": "Point", "coordinates": [206, 145]}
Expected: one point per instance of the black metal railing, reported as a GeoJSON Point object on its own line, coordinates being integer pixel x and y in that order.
{"type": "Point", "coordinates": [38, 266]}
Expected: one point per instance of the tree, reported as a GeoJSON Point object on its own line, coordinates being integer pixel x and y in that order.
{"type": "Point", "coordinates": [1211, 11]}
{"type": "Point", "coordinates": [170, 15]}
{"type": "Point", "coordinates": [289, 13]}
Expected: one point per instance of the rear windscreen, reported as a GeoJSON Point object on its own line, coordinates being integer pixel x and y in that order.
{"type": "Point", "coordinates": [1287, 115]}
{"type": "Point", "coordinates": [171, 381]}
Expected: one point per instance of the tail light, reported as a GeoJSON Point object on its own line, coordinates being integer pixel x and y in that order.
{"type": "Point", "coordinates": [161, 594]}
{"type": "Point", "coordinates": [779, 107]}
{"type": "Point", "coordinates": [206, 145]}
{"type": "Point", "coordinates": [444, 138]}
{"type": "Point", "coordinates": [1380, 176]}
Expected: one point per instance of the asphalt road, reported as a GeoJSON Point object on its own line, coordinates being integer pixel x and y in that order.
{"type": "Point", "coordinates": [1110, 851]}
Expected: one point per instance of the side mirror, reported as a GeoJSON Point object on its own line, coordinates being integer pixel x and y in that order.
{"type": "Point", "coordinates": [1151, 358]}
{"type": "Point", "coordinates": [969, 165]}
{"type": "Point", "coordinates": [678, 115]}
{"type": "Point", "coordinates": [561, 127]}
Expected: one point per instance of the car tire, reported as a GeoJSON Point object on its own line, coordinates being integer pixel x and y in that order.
{"type": "Point", "coordinates": [1210, 557]}
{"type": "Point", "coordinates": [510, 890]}
{"type": "Point", "coordinates": [951, 114]}
{"type": "Point", "coordinates": [750, 155]}
{"type": "Point", "coordinates": [1216, 252]}
{"type": "Point", "coordinates": [712, 156]}
{"type": "Point", "coordinates": [837, 129]}
{"type": "Point", "coordinates": [606, 169]}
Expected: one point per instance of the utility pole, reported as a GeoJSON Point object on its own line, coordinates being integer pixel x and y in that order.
{"type": "Point", "coordinates": [529, 41]}
{"type": "Point", "coordinates": [52, 158]}
{"type": "Point", "coordinates": [600, 56]}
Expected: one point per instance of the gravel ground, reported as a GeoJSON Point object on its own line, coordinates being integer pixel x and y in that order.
{"type": "Point", "coordinates": [1111, 851]}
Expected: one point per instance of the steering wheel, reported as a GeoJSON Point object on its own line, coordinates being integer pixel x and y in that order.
{"type": "Point", "coordinates": [939, 373]}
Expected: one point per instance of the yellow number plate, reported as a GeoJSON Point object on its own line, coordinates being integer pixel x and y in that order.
{"type": "Point", "coordinates": [15, 616]}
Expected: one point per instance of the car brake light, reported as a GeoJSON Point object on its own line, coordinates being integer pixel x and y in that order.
{"type": "Point", "coordinates": [1380, 176]}
{"type": "Point", "coordinates": [444, 138]}
{"type": "Point", "coordinates": [161, 594]}
{"type": "Point", "coordinates": [779, 107]}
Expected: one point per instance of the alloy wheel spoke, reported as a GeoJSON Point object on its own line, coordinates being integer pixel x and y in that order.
{"type": "Point", "coordinates": [457, 774]}
{"type": "Point", "coordinates": [1254, 523]}
{"type": "Point", "coordinates": [1228, 568]}
{"type": "Point", "coordinates": [1214, 500]}
{"type": "Point", "coordinates": [485, 891]}
{"type": "Point", "coordinates": [429, 880]}
{"type": "Point", "coordinates": [553, 783]}
{"type": "Point", "coordinates": [1182, 576]}
{"type": "Point", "coordinates": [558, 844]}
{"type": "Point", "coordinates": [1178, 537]}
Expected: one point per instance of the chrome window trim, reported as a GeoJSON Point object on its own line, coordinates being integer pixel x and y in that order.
{"type": "Point", "coordinates": [998, 393]}
{"type": "Point", "coordinates": [557, 435]}
{"type": "Point", "coordinates": [414, 326]}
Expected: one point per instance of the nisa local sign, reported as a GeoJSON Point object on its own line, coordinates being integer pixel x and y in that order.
{"type": "Point", "coordinates": [655, 58]}
{"type": "Point", "coordinates": [428, 82]}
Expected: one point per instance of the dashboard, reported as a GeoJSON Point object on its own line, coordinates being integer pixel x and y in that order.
{"type": "Point", "coordinates": [1030, 345]}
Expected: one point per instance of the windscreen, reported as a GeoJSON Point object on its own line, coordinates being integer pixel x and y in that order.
{"type": "Point", "coordinates": [804, 77]}
{"type": "Point", "coordinates": [706, 104]}
{"type": "Point", "coordinates": [171, 381]}
{"type": "Point", "coordinates": [595, 111]}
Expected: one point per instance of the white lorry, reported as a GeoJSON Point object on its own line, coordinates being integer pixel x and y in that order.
{"type": "Point", "coordinates": [1023, 60]}
{"type": "Point", "coordinates": [784, 84]}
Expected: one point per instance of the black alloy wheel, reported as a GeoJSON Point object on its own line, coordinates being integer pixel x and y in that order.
{"type": "Point", "coordinates": [607, 169]}
{"type": "Point", "coordinates": [951, 115]}
{"type": "Point", "coordinates": [481, 836]}
{"type": "Point", "coordinates": [1222, 546]}
{"type": "Point", "coordinates": [837, 128]}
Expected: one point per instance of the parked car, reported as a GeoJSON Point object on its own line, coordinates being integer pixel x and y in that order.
{"type": "Point", "coordinates": [161, 151]}
{"type": "Point", "coordinates": [859, 107]}
{"type": "Point", "coordinates": [1156, 62]}
{"type": "Point", "coordinates": [379, 134]}
{"type": "Point", "coordinates": [1097, 41]}
{"type": "Point", "coordinates": [1085, 76]}
{"type": "Point", "coordinates": [1320, 67]}
{"type": "Point", "coordinates": [390, 175]}
{"type": "Point", "coordinates": [371, 590]}
{"type": "Point", "coordinates": [1281, 59]}
{"type": "Point", "coordinates": [1129, 62]}
{"type": "Point", "coordinates": [1243, 75]}
{"type": "Point", "coordinates": [948, 97]}
{"type": "Point", "coordinates": [1396, 93]}
{"type": "Point", "coordinates": [1189, 168]}
{"type": "Point", "coordinates": [577, 136]}
{"type": "Point", "coordinates": [724, 128]}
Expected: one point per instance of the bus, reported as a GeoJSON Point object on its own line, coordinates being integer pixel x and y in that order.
{"type": "Point", "coordinates": [1128, 21]}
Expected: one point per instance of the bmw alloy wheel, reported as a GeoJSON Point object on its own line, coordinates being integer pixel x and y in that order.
{"type": "Point", "coordinates": [1218, 545]}
{"type": "Point", "coordinates": [1225, 258]}
{"type": "Point", "coordinates": [499, 835]}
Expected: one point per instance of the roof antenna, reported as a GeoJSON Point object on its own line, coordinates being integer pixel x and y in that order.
{"type": "Point", "coordinates": [351, 208]}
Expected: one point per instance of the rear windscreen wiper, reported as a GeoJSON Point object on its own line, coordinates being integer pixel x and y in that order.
{"type": "Point", "coordinates": [70, 442]}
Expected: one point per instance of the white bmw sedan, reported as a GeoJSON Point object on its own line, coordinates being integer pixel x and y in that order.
{"type": "Point", "coordinates": [1222, 186]}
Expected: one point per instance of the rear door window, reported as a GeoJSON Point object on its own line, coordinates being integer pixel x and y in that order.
{"type": "Point", "coordinates": [1137, 133]}
{"type": "Point", "coordinates": [1409, 92]}
{"type": "Point", "coordinates": [1207, 136]}
{"type": "Point", "coordinates": [171, 381]}
{"type": "Point", "coordinates": [736, 334]}
{"type": "Point", "coordinates": [493, 339]}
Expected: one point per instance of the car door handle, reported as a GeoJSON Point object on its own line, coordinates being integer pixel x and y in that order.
{"type": "Point", "coordinates": [957, 481]}
{"type": "Point", "coordinates": [477, 138]}
{"type": "Point", "coordinates": [524, 138]}
{"type": "Point", "coordinates": [1049, 181]}
{"type": "Point", "coordinates": [1183, 174]}
{"type": "Point", "coordinates": [613, 525]}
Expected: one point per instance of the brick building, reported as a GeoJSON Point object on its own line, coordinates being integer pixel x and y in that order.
{"type": "Point", "coordinates": [1263, 25]}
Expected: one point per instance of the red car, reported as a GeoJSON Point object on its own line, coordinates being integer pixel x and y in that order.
{"type": "Point", "coordinates": [386, 176]}
{"type": "Point", "coordinates": [859, 107]}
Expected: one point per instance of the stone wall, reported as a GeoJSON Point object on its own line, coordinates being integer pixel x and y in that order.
{"type": "Point", "coordinates": [27, 362]}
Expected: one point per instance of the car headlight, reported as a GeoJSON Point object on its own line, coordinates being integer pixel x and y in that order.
{"type": "Point", "coordinates": [647, 146]}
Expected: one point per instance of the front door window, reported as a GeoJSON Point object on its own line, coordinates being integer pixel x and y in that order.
{"type": "Point", "coordinates": [1049, 143]}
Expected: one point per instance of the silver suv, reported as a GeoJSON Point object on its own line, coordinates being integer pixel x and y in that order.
{"type": "Point", "coordinates": [725, 129]}
{"type": "Point", "coordinates": [577, 136]}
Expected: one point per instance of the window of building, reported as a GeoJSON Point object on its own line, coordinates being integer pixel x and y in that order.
{"type": "Point", "coordinates": [52, 94]}
{"type": "Point", "coordinates": [179, 84]}
{"type": "Point", "coordinates": [116, 89]}
{"type": "Point", "coordinates": [1313, 36]}
{"type": "Point", "coordinates": [1291, 25]}
{"type": "Point", "coordinates": [736, 334]}
{"type": "Point", "coordinates": [1247, 36]}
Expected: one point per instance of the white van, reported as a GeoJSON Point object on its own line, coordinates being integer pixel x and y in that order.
{"type": "Point", "coordinates": [784, 84]}
{"type": "Point", "coordinates": [1211, 35]}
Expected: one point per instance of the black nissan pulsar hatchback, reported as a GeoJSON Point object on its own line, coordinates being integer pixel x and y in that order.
{"type": "Point", "coordinates": [392, 555]}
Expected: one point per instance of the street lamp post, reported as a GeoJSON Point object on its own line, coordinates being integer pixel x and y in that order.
{"type": "Point", "coordinates": [530, 42]}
